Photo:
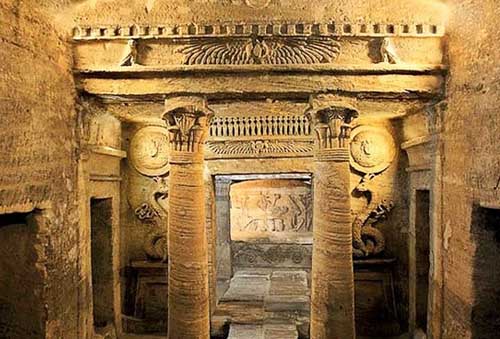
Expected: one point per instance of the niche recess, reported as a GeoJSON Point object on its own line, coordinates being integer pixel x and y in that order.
{"type": "Point", "coordinates": [485, 230]}
{"type": "Point", "coordinates": [102, 261]}
{"type": "Point", "coordinates": [21, 281]}
{"type": "Point", "coordinates": [422, 234]}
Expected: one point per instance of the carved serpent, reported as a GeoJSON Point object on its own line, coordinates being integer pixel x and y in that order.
{"type": "Point", "coordinates": [367, 239]}
{"type": "Point", "coordinates": [155, 244]}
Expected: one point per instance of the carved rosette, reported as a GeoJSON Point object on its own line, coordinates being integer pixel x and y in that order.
{"type": "Point", "coordinates": [372, 149]}
{"type": "Point", "coordinates": [188, 119]}
{"type": "Point", "coordinates": [149, 151]}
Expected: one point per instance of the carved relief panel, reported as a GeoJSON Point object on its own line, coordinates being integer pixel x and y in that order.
{"type": "Point", "coordinates": [148, 155]}
{"type": "Point", "coordinates": [275, 210]}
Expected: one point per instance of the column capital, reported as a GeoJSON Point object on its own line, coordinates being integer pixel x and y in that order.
{"type": "Point", "coordinates": [331, 120]}
{"type": "Point", "coordinates": [187, 119]}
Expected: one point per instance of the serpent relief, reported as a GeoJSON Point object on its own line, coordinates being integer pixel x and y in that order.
{"type": "Point", "coordinates": [367, 239]}
{"type": "Point", "coordinates": [155, 212]}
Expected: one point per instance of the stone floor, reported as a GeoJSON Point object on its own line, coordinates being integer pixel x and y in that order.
{"type": "Point", "coordinates": [265, 305]}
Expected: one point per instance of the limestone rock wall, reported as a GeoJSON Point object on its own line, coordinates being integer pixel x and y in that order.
{"type": "Point", "coordinates": [470, 166]}
{"type": "Point", "coordinates": [38, 151]}
{"type": "Point", "coordinates": [182, 11]}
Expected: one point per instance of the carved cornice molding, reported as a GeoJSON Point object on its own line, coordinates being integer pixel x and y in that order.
{"type": "Point", "coordinates": [299, 29]}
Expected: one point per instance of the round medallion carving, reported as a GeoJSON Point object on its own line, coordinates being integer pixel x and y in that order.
{"type": "Point", "coordinates": [372, 149]}
{"type": "Point", "coordinates": [258, 4]}
{"type": "Point", "coordinates": [149, 152]}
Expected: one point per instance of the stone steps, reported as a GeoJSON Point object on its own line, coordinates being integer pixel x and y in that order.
{"type": "Point", "coordinates": [265, 305]}
{"type": "Point", "coordinates": [267, 331]}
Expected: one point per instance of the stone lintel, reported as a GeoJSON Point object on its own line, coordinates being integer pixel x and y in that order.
{"type": "Point", "coordinates": [289, 85]}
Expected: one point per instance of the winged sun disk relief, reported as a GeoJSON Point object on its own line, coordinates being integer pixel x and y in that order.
{"type": "Point", "coordinates": [265, 50]}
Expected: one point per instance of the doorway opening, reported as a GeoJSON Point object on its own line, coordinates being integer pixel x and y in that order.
{"type": "Point", "coordinates": [101, 220]}
{"type": "Point", "coordinates": [485, 230]}
{"type": "Point", "coordinates": [21, 282]}
{"type": "Point", "coordinates": [422, 235]}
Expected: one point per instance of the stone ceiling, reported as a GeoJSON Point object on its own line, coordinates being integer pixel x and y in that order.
{"type": "Point", "coordinates": [102, 12]}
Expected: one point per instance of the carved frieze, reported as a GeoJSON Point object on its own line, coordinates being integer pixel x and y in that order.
{"type": "Point", "coordinates": [149, 151]}
{"type": "Point", "coordinates": [253, 46]}
{"type": "Point", "coordinates": [372, 149]}
{"type": "Point", "coordinates": [259, 148]}
{"type": "Point", "coordinates": [274, 50]}
{"type": "Point", "coordinates": [222, 127]}
{"type": "Point", "coordinates": [259, 136]}
{"type": "Point", "coordinates": [270, 209]}
{"type": "Point", "coordinates": [271, 255]}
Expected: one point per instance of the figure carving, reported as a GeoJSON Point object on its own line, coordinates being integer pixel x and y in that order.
{"type": "Point", "coordinates": [261, 50]}
{"type": "Point", "coordinates": [271, 206]}
{"type": "Point", "coordinates": [367, 239]}
{"type": "Point", "coordinates": [131, 53]}
{"type": "Point", "coordinates": [290, 213]}
{"type": "Point", "coordinates": [388, 52]}
{"type": "Point", "coordinates": [301, 220]}
{"type": "Point", "coordinates": [156, 214]}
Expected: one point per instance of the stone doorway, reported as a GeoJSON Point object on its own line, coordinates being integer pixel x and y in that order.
{"type": "Point", "coordinates": [485, 234]}
{"type": "Point", "coordinates": [22, 313]}
{"type": "Point", "coordinates": [422, 236]}
{"type": "Point", "coordinates": [264, 248]}
{"type": "Point", "coordinates": [102, 263]}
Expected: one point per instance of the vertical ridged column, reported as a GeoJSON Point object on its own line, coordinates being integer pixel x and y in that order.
{"type": "Point", "coordinates": [332, 295]}
{"type": "Point", "coordinates": [188, 295]}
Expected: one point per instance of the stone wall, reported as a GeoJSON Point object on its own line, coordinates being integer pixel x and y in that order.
{"type": "Point", "coordinates": [38, 152]}
{"type": "Point", "coordinates": [470, 167]}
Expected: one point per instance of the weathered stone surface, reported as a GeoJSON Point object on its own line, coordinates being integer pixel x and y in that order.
{"type": "Point", "coordinates": [267, 331]}
{"type": "Point", "coordinates": [389, 59]}
{"type": "Point", "coordinates": [248, 286]}
{"type": "Point", "coordinates": [188, 273]}
{"type": "Point", "coordinates": [273, 210]}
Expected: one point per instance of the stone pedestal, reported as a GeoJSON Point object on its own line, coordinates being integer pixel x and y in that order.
{"type": "Point", "coordinates": [188, 302]}
{"type": "Point", "coordinates": [332, 294]}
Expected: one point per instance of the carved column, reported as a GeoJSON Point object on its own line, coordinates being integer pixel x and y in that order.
{"type": "Point", "coordinates": [332, 295]}
{"type": "Point", "coordinates": [188, 296]}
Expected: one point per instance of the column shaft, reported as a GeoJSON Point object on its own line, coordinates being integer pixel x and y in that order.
{"type": "Point", "coordinates": [188, 292]}
{"type": "Point", "coordinates": [332, 295]}
{"type": "Point", "coordinates": [188, 303]}
{"type": "Point", "coordinates": [332, 298]}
